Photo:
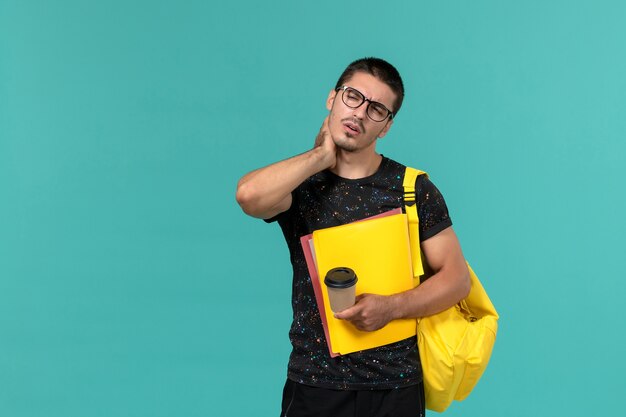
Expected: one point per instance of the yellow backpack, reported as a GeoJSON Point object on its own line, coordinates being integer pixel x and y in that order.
{"type": "Point", "coordinates": [454, 345]}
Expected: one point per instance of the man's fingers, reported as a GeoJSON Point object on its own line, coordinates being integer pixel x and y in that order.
{"type": "Point", "coordinates": [344, 314]}
{"type": "Point", "coordinates": [347, 314]}
{"type": "Point", "coordinates": [351, 312]}
{"type": "Point", "coordinates": [324, 127]}
{"type": "Point", "coordinates": [321, 136]}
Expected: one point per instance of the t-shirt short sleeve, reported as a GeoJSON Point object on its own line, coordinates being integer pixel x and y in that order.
{"type": "Point", "coordinates": [432, 209]}
{"type": "Point", "coordinates": [284, 213]}
{"type": "Point", "coordinates": [273, 219]}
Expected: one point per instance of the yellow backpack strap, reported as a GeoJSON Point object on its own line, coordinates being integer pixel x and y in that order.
{"type": "Point", "coordinates": [410, 176]}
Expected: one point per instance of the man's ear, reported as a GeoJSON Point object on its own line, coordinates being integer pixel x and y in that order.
{"type": "Point", "coordinates": [385, 129]}
{"type": "Point", "coordinates": [330, 99]}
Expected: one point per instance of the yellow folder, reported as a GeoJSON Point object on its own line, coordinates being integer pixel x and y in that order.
{"type": "Point", "coordinates": [378, 250]}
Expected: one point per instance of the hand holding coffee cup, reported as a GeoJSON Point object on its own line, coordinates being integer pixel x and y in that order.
{"type": "Point", "coordinates": [341, 285]}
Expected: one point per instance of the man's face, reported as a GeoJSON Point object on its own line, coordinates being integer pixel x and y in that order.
{"type": "Point", "coordinates": [351, 129]}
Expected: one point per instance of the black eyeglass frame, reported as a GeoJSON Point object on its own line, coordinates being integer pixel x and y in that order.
{"type": "Point", "coordinates": [390, 114]}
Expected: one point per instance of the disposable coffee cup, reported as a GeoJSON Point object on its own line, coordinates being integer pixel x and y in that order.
{"type": "Point", "coordinates": [341, 285]}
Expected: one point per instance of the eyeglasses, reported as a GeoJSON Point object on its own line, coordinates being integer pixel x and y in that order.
{"type": "Point", "coordinates": [354, 99]}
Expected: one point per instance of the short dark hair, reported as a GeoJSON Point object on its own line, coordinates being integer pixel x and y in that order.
{"type": "Point", "coordinates": [380, 69]}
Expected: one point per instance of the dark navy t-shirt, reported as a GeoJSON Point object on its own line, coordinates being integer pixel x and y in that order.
{"type": "Point", "coordinates": [326, 200]}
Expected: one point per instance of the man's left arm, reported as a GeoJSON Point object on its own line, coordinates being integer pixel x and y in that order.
{"type": "Point", "coordinates": [449, 284]}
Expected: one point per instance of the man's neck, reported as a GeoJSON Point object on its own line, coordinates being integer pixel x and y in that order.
{"type": "Point", "coordinates": [355, 165]}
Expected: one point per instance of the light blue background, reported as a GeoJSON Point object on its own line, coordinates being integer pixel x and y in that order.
{"type": "Point", "coordinates": [132, 285]}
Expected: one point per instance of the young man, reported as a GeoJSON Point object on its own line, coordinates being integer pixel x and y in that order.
{"type": "Point", "coordinates": [340, 180]}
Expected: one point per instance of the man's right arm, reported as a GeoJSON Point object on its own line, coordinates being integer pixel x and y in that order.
{"type": "Point", "coordinates": [266, 192]}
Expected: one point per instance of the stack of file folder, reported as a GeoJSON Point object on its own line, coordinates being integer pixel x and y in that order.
{"type": "Point", "coordinates": [378, 250]}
